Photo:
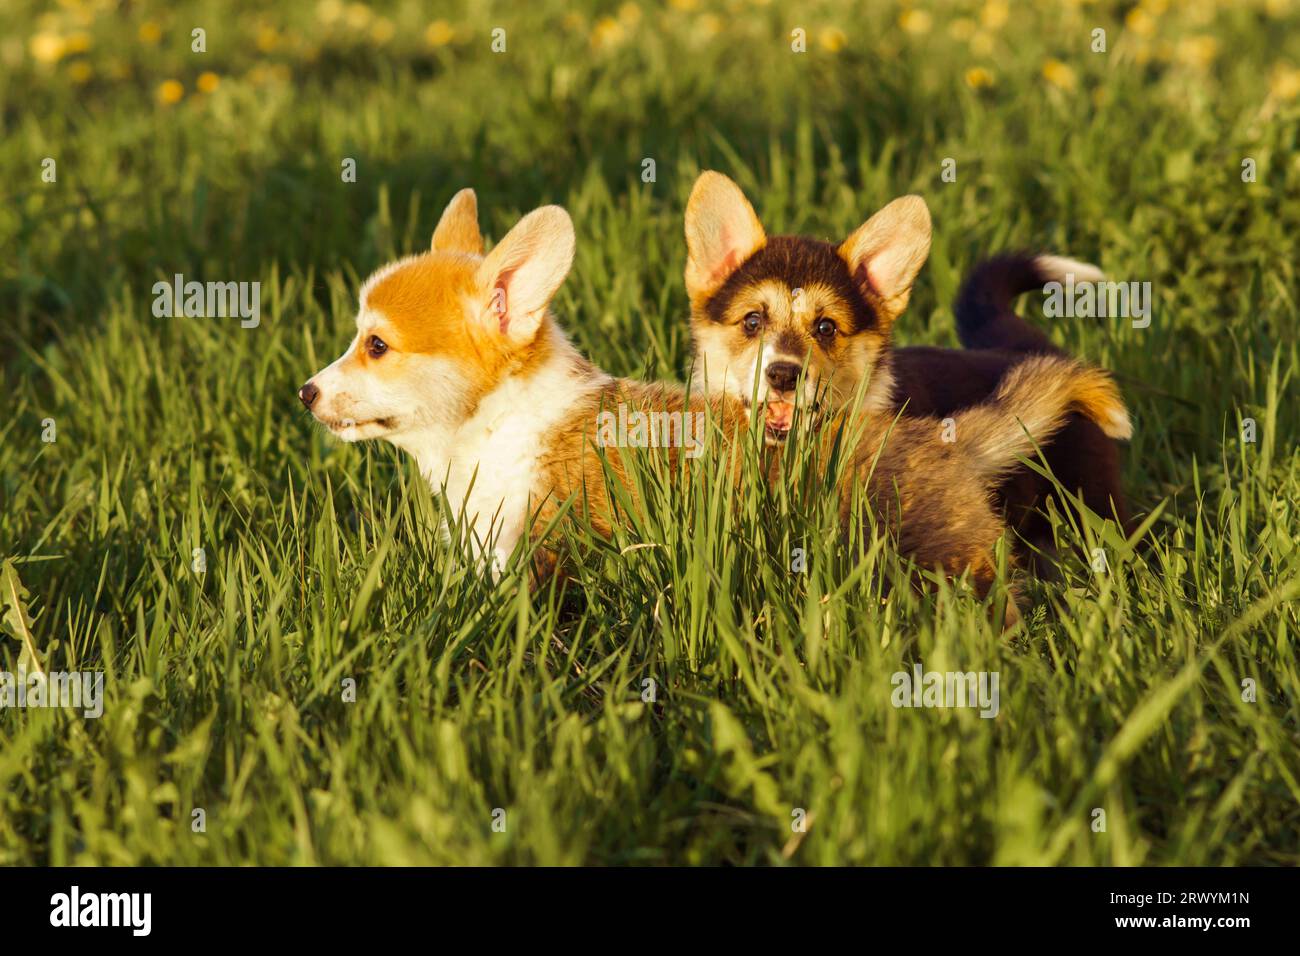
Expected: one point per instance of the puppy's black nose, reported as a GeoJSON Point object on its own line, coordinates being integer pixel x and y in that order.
{"type": "Point", "coordinates": [782, 376]}
{"type": "Point", "coordinates": [308, 393]}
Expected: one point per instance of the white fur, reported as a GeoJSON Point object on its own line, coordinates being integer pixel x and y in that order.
{"type": "Point", "coordinates": [1119, 425]}
{"type": "Point", "coordinates": [351, 398]}
{"type": "Point", "coordinates": [486, 463]}
{"type": "Point", "coordinates": [1056, 268]}
{"type": "Point", "coordinates": [738, 375]}
{"type": "Point", "coordinates": [489, 463]}
{"type": "Point", "coordinates": [879, 397]}
{"type": "Point", "coordinates": [483, 457]}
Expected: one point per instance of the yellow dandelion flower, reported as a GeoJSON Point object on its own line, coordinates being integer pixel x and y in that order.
{"type": "Point", "coordinates": [832, 39]}
{"type": "Point", "coordinates": [439, 33]}
{"type": "Point", "coordinates": [208, 81]}
{"type": "Point", "coordinates": [994, 15]}
{"type": "Point", "coordinates": [78, 42]}
{"type": "Point", "coordinates": [1059, 74]}
{"type": "Point", "coordinates": [1198, 51]}
{"type": "Point", "coordinates": [687, 5]}
{"type": "Point", "coordinates": [963, 28]}
{"type": "Point", "coordinates": [47, 47]}
{"type": "Point", "coordinates": [606, 33]}
{"type": "Point", "coordinates": [708, 26]}
{"type": "Point", "coordinates": [630, 13]}
{"type": "Point", "coordinates": [1284, 82]}
{"type": "Point", "coordinates": [1140, 22]}
{"type": "Point", "coordinates": [358, 16]}
{"type": "Point", "coordinates": [149, 32]}
{"type": "Point", "coordinates": [978, 78]}
{"type": "Point", "coordinates": [80, 72]}
{"type": "Point", "coordinates": [170, 91]}
{"type": "Point", "coordinates": [268, 38]}
{"type": "Point", "coordinates": [329, 11]}
{"type": "Point", "coordinates": [915, 22]}
{"type": "Point", "coordinates": [382, 31]}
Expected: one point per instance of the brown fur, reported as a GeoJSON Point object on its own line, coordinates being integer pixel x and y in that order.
{"type": "Point", "coordinates": [934, 494]}
{"type": "Point", "coordinates": [574, 465]}
{"type": "Point", "coordinates": [931, 495]}
{"type": "Point", "coordinates": [868, 280]}
{"type": "Point", "coordinates": [483, 322]}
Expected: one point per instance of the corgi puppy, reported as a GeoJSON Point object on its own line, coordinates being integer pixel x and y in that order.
{"type": "Point", "coordinates": [458, 361]}
{"type": "Point", "coordinates": [785, 320]}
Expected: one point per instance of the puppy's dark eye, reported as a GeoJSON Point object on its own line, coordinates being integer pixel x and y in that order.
{"type": "Point", "coordinates": [751, 322]}
{"type": "Point", "coordinates": [824, 329]}
{"type": "Point", "coordinates": [376, 346]}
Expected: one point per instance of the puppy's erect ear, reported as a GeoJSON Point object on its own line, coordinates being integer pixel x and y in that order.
{"type": "Point", "coordinates": [886, 252]}
{"type": "Point", "coordinates": [457, 230]}
{"type": "Point", "coordinates": [523, 271]}
{"type": "Point", "coordinates": [721, 233]}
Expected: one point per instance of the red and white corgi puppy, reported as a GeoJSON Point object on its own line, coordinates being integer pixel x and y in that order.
{"type": "Point", "coordinates": [458, 362]}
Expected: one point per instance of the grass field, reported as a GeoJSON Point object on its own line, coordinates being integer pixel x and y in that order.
{"type": "Point", "coordinates": [225, 688]}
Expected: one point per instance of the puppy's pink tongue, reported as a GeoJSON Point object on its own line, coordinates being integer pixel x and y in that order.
{"type": "Point", "coordinates": [780, 415]}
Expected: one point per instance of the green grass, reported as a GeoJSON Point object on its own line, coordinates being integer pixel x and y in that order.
{"type": "Point", "coordinates": [224, 689]}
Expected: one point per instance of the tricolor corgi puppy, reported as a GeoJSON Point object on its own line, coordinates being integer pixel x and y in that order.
{"type": "Point", "coordinates": [458, 361]}
{"type": "Point", "coordinates": [788, 320]}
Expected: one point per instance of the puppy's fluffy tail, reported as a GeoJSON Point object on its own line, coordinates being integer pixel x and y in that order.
{"type": "Point", "coordinates": [1032, 403]}
{"type": "Point", "coordinates": [985, 319]}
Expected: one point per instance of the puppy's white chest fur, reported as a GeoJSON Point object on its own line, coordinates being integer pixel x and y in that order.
{"type": "Point", "coordinates": [491, 465]}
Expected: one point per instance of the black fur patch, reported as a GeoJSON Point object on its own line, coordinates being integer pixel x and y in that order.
{"type": "Point", "coordinates": [797, 262]}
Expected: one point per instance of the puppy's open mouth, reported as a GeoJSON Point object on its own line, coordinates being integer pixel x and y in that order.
{"type": "Point", "coordinates": [341, 424]}
{"type": "Point", "coordinates": [778, 418]}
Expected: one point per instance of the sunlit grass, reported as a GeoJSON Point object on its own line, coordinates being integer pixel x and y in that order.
{"type": "Point", "coordinates": [225, 689]}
